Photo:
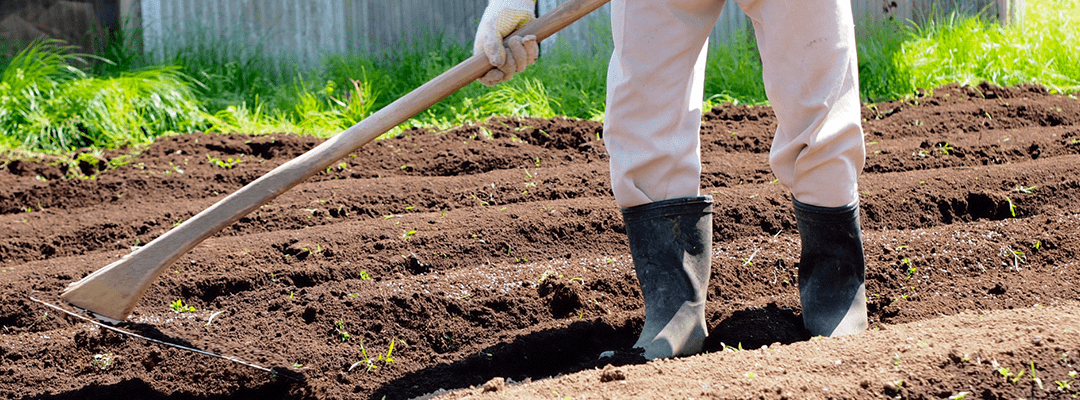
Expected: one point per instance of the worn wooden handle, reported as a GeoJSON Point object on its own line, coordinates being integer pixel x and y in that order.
{"type": "Point", "coordinates": [113, 290]}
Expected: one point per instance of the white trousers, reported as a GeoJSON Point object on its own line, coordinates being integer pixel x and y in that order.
{"type": "Point", "coordinates": [655, 94]}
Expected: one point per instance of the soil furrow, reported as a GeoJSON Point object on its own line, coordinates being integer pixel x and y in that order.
{"type": "Point", "coordinates": [495, 250]}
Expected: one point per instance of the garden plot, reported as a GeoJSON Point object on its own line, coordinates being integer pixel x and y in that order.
{"type": "Point", "coordinates": [484, 259]}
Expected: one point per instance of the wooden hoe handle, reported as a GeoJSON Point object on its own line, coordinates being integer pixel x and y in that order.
{"type": "Point", "coordinates": [113, 290]}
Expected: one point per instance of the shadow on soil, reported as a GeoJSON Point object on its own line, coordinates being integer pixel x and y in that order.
{"type": "Point", "coordinates": [543, 354]}
{"type": "Point", "coordinates": [577, 347]}
{"type": "Point", "coordinates": [138, 389]}
{"type": "Point", "coordinates": [752, 328]}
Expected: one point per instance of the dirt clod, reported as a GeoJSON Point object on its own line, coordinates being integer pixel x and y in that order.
{"type": "Point", "coordinates": [496, 385]}
{"type": "Point", "coordinates": [610, 373]}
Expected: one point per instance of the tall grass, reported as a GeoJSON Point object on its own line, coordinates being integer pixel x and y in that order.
{"type": "Point", "coordinates": [733, 73]}
{"type": "Point", "coordinates": [348, 88]}
{"type": "Point", "coordinates": [1045, 49]}
{"type": "Point", "coordinates": [47, 103]}
{"type": "Point", "coordinates": [883, 73]}
{"type": "Point", "coordinates": [52, 100]}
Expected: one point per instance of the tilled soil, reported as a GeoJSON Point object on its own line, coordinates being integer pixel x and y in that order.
{"type": "Point", "coordinates": [481, 260]}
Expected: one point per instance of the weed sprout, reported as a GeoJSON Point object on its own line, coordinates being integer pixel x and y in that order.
{"type": "Point", "coordinates": [226, 164]}
{"type": "Point", "coordinates": [369, 363]}
{"type": "Point", "coordinates": [178, 306]}
{"type": "Point", "coordinates": [102, 361]}
{"type": "Point", "coordinates": [340, 329]}
{"type": "Point", "coordinates": [1012, 207]}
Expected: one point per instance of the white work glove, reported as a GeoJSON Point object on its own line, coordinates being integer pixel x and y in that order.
{"type": "Point", "coordinates": [501, 18]}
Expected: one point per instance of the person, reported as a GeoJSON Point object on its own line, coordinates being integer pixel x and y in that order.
{"type": "Point", "coordinates": [654, 97]}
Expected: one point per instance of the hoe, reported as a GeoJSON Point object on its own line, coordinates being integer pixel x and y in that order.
{"type": "Point", "coordinates": [111, 292]}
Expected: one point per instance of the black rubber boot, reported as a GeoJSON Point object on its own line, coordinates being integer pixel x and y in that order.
{"type": "Point", "coordinates": [671, 242]}
{"type": "Point", "coordinates": [832, 270]}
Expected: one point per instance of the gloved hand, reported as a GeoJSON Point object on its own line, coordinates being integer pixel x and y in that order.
{"type": "Point", "coordinates": [501, 18]}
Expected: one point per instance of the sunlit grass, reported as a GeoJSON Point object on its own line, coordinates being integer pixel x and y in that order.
{"type": "Point", "coordinates": [48, 104]}
{"type": "Point", "coordinates": [1045, 49]}
{"type": "Point", "coordinates": [733, 72]}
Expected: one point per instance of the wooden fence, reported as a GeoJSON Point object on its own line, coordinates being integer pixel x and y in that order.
{"type": "Point", "coordinates": [305, 30]}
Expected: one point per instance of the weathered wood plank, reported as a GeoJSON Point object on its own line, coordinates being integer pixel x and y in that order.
{"type": "Point", "coordinates": [305, 30]}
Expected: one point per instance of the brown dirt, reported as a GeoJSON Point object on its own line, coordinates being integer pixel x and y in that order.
{"type": "Point", "coordinates": [492, 255]}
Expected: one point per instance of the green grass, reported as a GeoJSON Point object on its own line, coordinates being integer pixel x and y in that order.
{"type": "Point", "coordinates": [733, 73]}
{"type": "Point", "coordinates": [1045, 49]}
{"type": "Point", "coordinates": [47, 103]}
{"type": "Point", "coordinates": [54, 101]}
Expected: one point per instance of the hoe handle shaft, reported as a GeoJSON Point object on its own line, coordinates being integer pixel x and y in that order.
{"type": "Point", "coordinates": [113, 290]}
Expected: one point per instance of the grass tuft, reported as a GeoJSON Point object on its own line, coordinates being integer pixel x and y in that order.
{"type": "Point", "coordinates": [48, 104]}
{"type": "Point", "coordinates": [1044, 49]}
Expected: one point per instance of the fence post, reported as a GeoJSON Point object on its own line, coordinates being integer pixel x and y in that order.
{"type": "Point", "coordinates": [1011, 12]}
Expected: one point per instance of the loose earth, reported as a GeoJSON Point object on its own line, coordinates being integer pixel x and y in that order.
{"type": "Point", "coordinates": [489, 261]}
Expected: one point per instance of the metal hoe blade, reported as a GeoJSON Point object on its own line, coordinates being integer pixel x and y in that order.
{"type": "Point", "coordinates": [111, 322]}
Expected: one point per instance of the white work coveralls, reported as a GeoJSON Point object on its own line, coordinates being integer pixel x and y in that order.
{"type": "Point", "coordinates": [655, 93]}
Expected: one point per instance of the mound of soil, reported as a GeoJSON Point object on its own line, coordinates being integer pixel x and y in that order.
{"type": "Point", "coordinates": [482, 260]}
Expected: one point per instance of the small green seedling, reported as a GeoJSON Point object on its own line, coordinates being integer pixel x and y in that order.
{"type": "Point", "coordinates": [730, 349]}
{"type": "Point", "coordinates": [1035, 377]}
{"type": "Point", "coordinates": [226, 164]}
{"type": "Point", "coordinates": [387, 359]}
{"type": "Point", "coordinates": [368, 362]}
{"type": "Point", "coordinates": [911, 269]}
{"type": "Point", "coordinates": [945, 148]}
{"type": "Point", "coordinates": [1012, 207]}
{"type": "Point", "coordinates": [102, 361]}
{"type": "Point", "coordinates": [546, 274]}
{"type": "Point", "coordinates": [750, 260]}
{"type": "Point", "coordinates": [959, 396]}
{"type": "Point", "coordinates": [1004, 371]}
{"type": "Point", "coordinates": [340, 329]}
{"type": "Point", "coordinates": [364, 275]}
{"type": "Point", "coordinates": [1016, 255]}
{"type": "Point", "coordinates": [178, 306]}
{"type": "Point", "coordinates": [1018, 376]}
